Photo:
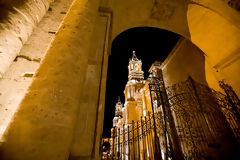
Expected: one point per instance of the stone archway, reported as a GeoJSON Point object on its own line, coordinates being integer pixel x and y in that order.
{"type": "Point", "coordinates": [126, 15]}
{"type": "Point", "coordinates": [208, 25]}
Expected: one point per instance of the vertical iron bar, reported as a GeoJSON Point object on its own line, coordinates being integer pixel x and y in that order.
{"type": "Point", "coordinates": [113, 137]}
{"type": "Point", "coordinates": [143, 139]}
{"type": "Point", "coordinates": [133, 139]}
{"type": "Point", "coordinates": [165, 123]}
{"type": "Point", "coordinates": [123, 146]}
{"type": "Point", "coordinates": [118, 153]}
{"type": "Point", "coordinates": [138, 142]}
{"type": "Point", "coordinates": [128, 144]}
{"type": "Point", "coordinates": [151, 143]}
{"type": "Point", "coordinates": [147, 136]}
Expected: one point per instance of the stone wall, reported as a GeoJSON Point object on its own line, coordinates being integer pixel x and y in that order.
{"type": "Point", "coordinates": [89, 125]}
{"type": "Point", "coordinates": [44, 125]}
{"type": "Point", "coordinates": [18, 18]}
{"type": "Point", "coordinates": [184, 60]}
{"type": "Point", "coordinates": [19, 75]}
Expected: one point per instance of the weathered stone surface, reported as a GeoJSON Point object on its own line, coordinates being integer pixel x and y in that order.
{"type": "Point", "coordinates": [45, 130]}
{"type": "Point", "coordinates": [91, 102]}
{"type": "Point", "coordinates": [16, 24]}
{"type": "Point", "coordinates": [13, 85]}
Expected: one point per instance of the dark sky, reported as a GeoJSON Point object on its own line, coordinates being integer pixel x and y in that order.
{"type": "Point", "coordinates": [150, 44]}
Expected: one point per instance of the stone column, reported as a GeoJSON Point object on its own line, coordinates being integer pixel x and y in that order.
{"type": "Point", "coordinates": [89, 125]}
{"type": "Point", "coordinates": [43, 127]}
{"type": "Point", "coordinates": [17, 22]}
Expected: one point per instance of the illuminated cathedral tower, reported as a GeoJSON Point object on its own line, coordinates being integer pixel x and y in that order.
{"type": "Point", "coordinates": [135, 72]}
{"type": "Point", "coordinates": [117, 120]}
{"type": "Point", "coordinates": [135, 82]}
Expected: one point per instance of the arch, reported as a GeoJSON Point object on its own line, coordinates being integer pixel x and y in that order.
{"type": "Point", "coordinates": [208, 25]}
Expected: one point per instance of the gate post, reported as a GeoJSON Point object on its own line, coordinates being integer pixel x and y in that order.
{"type": "Point", "coordinates": [174, 143]}
{"type": "Point", "coordinates": [157, 152]}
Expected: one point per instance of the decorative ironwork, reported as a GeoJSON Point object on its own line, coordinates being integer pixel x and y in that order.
{"type": "Point", "coordinates": [186, 121]}
{"type": "Point", "coordinates": [230, 105]}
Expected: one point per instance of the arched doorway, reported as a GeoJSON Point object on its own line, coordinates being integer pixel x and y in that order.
{"type": "Point", "coordinates": [150, 44]}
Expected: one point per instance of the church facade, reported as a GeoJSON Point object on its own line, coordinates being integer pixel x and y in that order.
{"type": "Point", "coordinates": [137, 105]}
{"type": "Point", "coordinates": [137, 97]}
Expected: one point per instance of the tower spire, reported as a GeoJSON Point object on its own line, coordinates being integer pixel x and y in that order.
{"type": "Point", "coordinates": [134, 57]}
{"type": "Point", "coordinates": [119, 100]}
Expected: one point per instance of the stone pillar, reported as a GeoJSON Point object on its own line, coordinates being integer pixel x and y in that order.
{"type": "Point", "coordinates": [44, 125]}
{"type": "Point", "coordinates": [17, 22]}
{"type": "Point", "coordinates": [89, 125]}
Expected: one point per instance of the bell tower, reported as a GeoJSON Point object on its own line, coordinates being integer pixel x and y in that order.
{"type": "Point", "coordinates": [135, 69]}
{"type": "Point", "coordinates": [118, 108]}
{"type": "Point", "coordinates": [117, 120]}
{"type": "Point", "coordinates": [135, 77]}
{"type": "Point", "coordinates": [135, 82]}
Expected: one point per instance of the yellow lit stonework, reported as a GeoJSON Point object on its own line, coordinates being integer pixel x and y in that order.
{"type": "Point", "coordinates": [58, 113]}
{"type": "Point", "coordinates": [136, 66]}
{"type": "Point", "coordinates": [132, 67]}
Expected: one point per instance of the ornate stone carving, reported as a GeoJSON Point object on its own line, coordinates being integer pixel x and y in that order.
{"type": "Point", "coordinates": [162, 11]}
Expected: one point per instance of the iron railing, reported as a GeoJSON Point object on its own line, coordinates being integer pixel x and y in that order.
{"type": "Point", "coordinates": [187, 120]}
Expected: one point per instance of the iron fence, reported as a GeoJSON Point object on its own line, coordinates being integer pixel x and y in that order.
{"type": "Point", "coordinates": [187, 122]}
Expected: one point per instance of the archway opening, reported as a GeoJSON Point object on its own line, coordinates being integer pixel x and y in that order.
{"type": "Point", "coordinates": [180, 69]}
{"type": "Point", "coordinates": [150, 44]}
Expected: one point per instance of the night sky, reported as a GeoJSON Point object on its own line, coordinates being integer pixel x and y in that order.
{"type": "Point", "coordinates": [150, 44]}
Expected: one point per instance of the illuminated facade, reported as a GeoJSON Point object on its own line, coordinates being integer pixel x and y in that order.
{"type": "Point", "coordinates": [137, 105]}
{"type": "Point", "coordinates": [137, 97]}
{"type": "Point", "coordinates": [185, 121]}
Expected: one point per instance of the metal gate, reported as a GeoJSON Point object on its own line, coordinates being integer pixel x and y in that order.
{"type": "Point", "coordinates": [186, 122]}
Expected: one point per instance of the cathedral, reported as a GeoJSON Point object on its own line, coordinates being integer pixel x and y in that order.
{"type": "Point", "coordinates": [132, 109]}
{"type": "Point", "coordinates": [137, 100]}
{"type": "Point", "coordinates": [137, 103]}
